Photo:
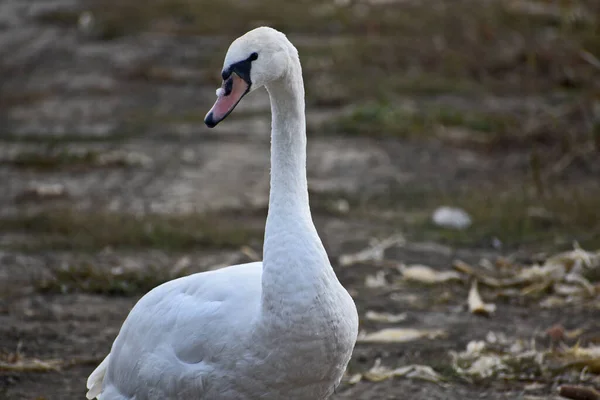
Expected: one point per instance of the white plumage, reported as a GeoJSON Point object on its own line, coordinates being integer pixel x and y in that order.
{"type": "Point", "coordinates": [281, 329]}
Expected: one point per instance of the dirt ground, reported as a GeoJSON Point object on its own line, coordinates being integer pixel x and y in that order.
{"type": "Point", "coordinates": [111, 184]}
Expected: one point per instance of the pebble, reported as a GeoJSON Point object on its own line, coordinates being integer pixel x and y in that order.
{"type": "Point", "coordinates": [451, 217]}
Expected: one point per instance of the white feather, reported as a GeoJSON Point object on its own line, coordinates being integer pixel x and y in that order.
{"type": "Point", "coordinates": [94, 382]}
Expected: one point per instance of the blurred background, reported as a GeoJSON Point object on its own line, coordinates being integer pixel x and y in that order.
{"type": "Point", "coordinates": [450, 142]}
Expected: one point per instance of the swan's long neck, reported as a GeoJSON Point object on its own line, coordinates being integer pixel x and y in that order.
{"type": "Point", "coordinates": [294, 260]}
{"type": "Point", "coordinates": [289, 190]}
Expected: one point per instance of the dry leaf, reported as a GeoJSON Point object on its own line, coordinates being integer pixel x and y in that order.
{"type": "Point", "coordinates": [486, 366]}
{"type": "Point", "coordinates": [465, 268]}
{"type": "Point", "coordinates": [570, 274]}
{"type": "Point", "coordinates": [577, 358]}
{"type": "Point", "coordinates": [511, 359]}
{"type": "Point", "coordinates": [537, 288]}
{"type": "Point", "coordinates": [576, 259]}
{"type": "Point", "coordinates": [566, 290]}
{"type": "Point", "coordinates": [494, 356]}
{"type": "Point", "coordinates": [552, 302]}
{"type": "Point", "coordinates": [385, 317]}
{"type": "Point", "coordinates": [354, 379]}
{"type": "Point", "coordinates": [32, 366]}
{"type": "Point", "coordinates": [476, 305]}
{"type": "Point", "coordinates": [534, 386]}
{"type": "Point", "coordinates": [44, 191]}
{"type": "Point", "coordinates": [581, 281]}
{"type": "Point", "coordinates": [574, 334]}
{"type": "Point", "coordinates": [376, 281]}
{"type": "Point", "coordinates": [536, 272]}
{"type": "Point", "coordinates": [400, 335]}
{"type": "Point", "coordinates": [250, 253]}
{"type": "Point", "coordinates": [380, 373]}
{"type": "Point", "coordinates": [422, 372]}
{"type": "Point", "coordinates": [428, 275]}
{"type": "Point", "coordinates": [181, 265]}
{"type": "Point", "coordinates": [375, 252]}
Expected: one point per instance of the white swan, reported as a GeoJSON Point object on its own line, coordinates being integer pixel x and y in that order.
{"type": "Point", "coordinates": [281, 329]}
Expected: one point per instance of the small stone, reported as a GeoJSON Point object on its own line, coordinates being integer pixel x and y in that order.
{"type": "Point", "coordinates": [44, 191]}
{"type": "Point", "coordinates": [451, 217]}
{"type": "Point", "coordinates": [86, 22]}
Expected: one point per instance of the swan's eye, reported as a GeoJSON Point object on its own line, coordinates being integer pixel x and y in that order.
{"type": "Point", "coordinates": [228, 87]}
{"type": "Point", "coordinates": [253, 56]}
{"type": "Point", "coordinates": [226, 74]}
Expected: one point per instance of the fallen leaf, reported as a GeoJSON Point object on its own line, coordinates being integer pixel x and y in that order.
{"type": "Point", "coordinates": [422, 372]}
{"type": "Point", "coordinates": [581, 281]}
{"type": "Point", "coordinates": [380, 373]}
{"type": "Point", "coordinates": [486, 366]}
{"type": "Point", "coordinates": [250, 253]}
{"type": "Point", "coordinates": [494, 356]}
{"type": "Point", "coordinates": [48, 191]}
{"type": "Point", "coordinates": [591, 351]}
{"type": "Point", "coordinates": [375, 252]}
{"type": "Point", "coordinates": [354, 379]}
{"type": "Point", "coordinates": [180, 266]}
{"type": "Point", "coordinates": [385, 317]}
{"type": "Point", "coordinates": [476, 304]}
{"type": "Point", "coordinates": [575, 259]}
{"type": "Point", "coordinates": [400, 335]}
{"type": "Point", "coordinates": [569, 274]}
{"type": "Point", "coordinates": [574, 334]}
{"type": "Point", "coordinates": [498, 356]}
{"type": "Point", "coordinates": [536, 273]}
{"type": "Point", "coordinates": [537, 288]}
{"type": "Point", "coordinates": [553, 302]}
{"type": "Point", "coordinates": [376, 281]}
{"type": "Point", "coordinates": [566, 290]}
{"type": "Point", "coordinates": [32, 365]}
{"type": "Point", "coordinates": [465, 268]}
{"type": "Point", "coordinates": [428, 275]}
{"type": "Point", "coordinates": [534, 386]}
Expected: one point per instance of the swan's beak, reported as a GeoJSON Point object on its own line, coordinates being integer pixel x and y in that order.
{"type": "Point", "coordinates": [228, 96]}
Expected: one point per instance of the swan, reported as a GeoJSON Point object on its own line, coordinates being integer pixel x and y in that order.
{"type": "Point", "coordinates": [283, 328]}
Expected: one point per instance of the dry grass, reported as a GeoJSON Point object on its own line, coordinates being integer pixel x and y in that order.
{"type": "Point", "coordinates": [57, 158]}
{"type": "Point", "coordinates": [516, 215]}
{"type": "Point", "coordinates": [521, 218]}
{"type": "Point", "coordinates": [90, 278]}
{"type": "Point", "coordinates": [541, 57]}
{"type": "Point", "coordinates": [375, 52]}
{"type": "Point", "coordinates": [385, 119]}
{"type": "Point", "coordinates": [91, 231]}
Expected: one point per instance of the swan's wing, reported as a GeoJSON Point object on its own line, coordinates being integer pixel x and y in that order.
{"type": "Point", "coordinates": [177, 333]}
{"type": "Point", "coordinates": [94, 382]}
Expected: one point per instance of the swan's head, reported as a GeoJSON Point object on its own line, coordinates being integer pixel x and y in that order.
{"type": "Point", "coordinates": [253, 60]}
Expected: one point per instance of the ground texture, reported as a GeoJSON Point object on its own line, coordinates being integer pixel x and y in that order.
{"type": "Point", "coordinates": [111, 184]}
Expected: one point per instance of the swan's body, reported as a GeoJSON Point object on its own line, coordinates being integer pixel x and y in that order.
{"type": "Point", "coordinates": [281, 329]}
